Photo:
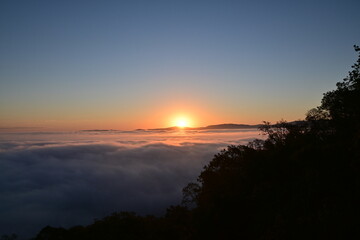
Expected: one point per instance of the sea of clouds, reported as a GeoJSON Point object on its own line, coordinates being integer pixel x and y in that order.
{"type": "Point", "coordinates": [66, 179]}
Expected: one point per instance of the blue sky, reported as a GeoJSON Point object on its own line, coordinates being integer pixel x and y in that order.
{"type": "Point", "coordinates": [130, 64]}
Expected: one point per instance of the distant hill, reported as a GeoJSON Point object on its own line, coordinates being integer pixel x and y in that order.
{"type": "Point", "coordinates": [229, 126]}
{"type": "Point", "coordinates": [210, 127]}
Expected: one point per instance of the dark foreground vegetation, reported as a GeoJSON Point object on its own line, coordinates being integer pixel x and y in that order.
{"type": "Point", "coordinates": [302, 182]}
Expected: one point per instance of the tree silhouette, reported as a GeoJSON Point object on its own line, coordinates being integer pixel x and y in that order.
{"type": "Point", "coordinates": [301, 182]}
{"type": "Point", "coordinates": [341, 105]}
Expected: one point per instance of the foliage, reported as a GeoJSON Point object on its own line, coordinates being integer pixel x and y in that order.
{"type": "Point", "coordinates": [341, 105]}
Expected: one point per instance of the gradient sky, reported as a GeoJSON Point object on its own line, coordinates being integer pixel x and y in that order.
{"type": "Point", "coordinates": [141, 64]}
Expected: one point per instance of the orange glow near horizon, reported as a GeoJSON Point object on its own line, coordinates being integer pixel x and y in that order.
{"type": "Point", "coordinates": [185, 113]}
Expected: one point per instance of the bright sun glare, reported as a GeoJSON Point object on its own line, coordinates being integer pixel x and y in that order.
{"type": "Point", "coordinates": [181, 123]}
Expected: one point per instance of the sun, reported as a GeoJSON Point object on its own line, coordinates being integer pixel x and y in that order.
{"type": "Point", "coordinates": [181, 123]}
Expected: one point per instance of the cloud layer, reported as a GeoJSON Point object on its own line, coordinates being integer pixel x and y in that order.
{"type": "Point", "coordinates": [71, 179]}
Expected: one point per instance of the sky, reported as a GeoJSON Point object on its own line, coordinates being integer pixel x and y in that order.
{"type": "Point", "coordinates": [68, 65]}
